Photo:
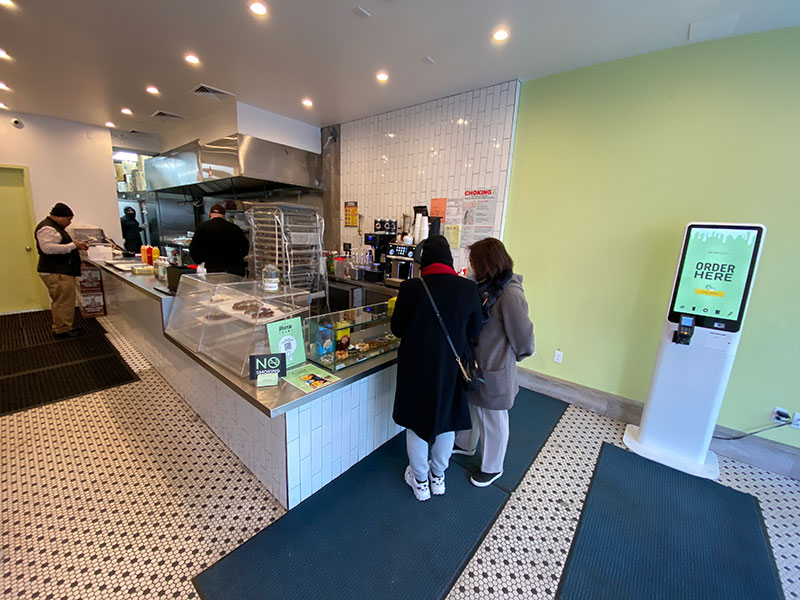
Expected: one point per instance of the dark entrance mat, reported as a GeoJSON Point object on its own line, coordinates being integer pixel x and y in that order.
{"type": "Point", "coordinates": [530, 421]}
{"type": "Point", "coordinates": [37, 369]}
{"type": "Point", "coordinates": [364, 535]}
{"type": "Point", "coordinates": [22, 330]}
{"type": "Point", "coordinates": [649, 531]}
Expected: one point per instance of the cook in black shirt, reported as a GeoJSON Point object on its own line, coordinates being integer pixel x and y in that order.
{"type": "Point", "coordinates": [220, 244]}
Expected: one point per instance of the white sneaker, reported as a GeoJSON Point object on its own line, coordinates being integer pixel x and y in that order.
{"type": "Point", "coordinates": [421, 489]}
{"type": "Point", "coordinates": [437, 483]}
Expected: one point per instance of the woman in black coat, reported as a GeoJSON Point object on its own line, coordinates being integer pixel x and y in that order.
{"type": "Point", "coordinates": [430, 400]}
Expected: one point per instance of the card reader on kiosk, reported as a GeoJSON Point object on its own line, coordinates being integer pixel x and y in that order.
{"type": "Point", "coordinates": [683, 334]}
{"type": "Point", "coordinates": [710, 296]}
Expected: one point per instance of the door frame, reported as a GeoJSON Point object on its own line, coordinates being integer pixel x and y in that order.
{"type": "Point", "coordinates": [44, 301]}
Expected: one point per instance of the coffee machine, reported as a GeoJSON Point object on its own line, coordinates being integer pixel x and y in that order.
{"type": "Point", "coordinates": [400, 264]}
{"type": "Point", "coordinates": [380, 247]}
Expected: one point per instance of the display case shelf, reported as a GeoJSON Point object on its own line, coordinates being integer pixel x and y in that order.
{"type": "Point", "coordinates": [344, 338]}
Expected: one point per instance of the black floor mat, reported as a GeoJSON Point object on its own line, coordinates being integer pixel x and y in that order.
{"type": "Point", "coordinates": [37, 369]}
{"type": "Point", "coordinates": [23, 330]}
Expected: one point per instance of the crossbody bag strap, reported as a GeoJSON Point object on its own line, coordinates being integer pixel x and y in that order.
{"type": "Point", "coordinates": [444, 330]}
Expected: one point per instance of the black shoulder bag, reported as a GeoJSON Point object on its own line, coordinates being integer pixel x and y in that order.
{"type": "Point", "coordinates": [470, 371]}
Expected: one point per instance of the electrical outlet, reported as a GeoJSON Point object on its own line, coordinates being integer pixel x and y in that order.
{"type": "Point", "coordinates": [796, 421]}
{"type": "Point", "coordinates": [774, 416]}
{"type": "Point", "coordinates": [558, 356]}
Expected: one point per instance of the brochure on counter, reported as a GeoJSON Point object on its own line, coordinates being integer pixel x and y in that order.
{"type": "Point", "coordinates": [309, 378]}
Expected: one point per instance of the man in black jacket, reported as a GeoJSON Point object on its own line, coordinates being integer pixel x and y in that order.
{"type": "Point", "coordinates": [59, 266]}
{"type": "Point", "coordinates": [219, 244]}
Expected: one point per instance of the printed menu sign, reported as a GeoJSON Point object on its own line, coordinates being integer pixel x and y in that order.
{"type": "Point", "coordinates": [287, 337]}
{"type": "Point", "coordinates": [309, 378]}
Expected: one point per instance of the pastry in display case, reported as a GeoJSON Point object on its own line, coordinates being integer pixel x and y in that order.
{"type": "Point", "coordinates": [346, 337]}
{"type": "Point", "coordinates": [235, 324]}
{"type": "Point", "coordinates": [191, 305]}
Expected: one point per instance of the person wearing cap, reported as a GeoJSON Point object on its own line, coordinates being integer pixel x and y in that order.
{"type": "Point", "coordinates": [430, 400]}
{"type": "Point", "coordinates": [219, 244]}
{"type": "Point", "coordinates": [59, 267]}
{"type": "Point", "coordinates": [130, 230]}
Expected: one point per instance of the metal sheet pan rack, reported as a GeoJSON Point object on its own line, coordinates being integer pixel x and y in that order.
{"type": "Point", "coordinates": [290, 237]}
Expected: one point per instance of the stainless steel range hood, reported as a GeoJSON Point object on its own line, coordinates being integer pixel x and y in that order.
{"type": "Point", "coordinates": [239, 166]}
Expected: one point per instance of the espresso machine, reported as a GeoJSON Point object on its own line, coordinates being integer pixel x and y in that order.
{"type": "Point", "coordinates": [400, 264]}
{"type": "Point", "coordinates": [379, 241]}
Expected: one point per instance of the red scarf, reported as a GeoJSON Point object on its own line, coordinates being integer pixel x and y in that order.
{"type": "Point", "coordinates": [438, 269]}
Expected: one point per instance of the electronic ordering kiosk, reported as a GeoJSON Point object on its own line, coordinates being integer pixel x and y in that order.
{"type": "Point", "coordinates": [698, 346]}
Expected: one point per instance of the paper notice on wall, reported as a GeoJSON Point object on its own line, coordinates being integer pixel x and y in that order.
{"type": "Point", "coordinates": [453, 235]}
{"type": "Point", "coordinates": [475, 213]}
{"type": "Point", "coordinates": [439, 208]}
{"type": "Point", "coordinates": [351, 214]}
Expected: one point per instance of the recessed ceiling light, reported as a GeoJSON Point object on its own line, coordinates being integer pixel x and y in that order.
{"type": "Point", "coordinates": [151, 89]}
{"type": "Point", "coordinates": [307, 102]}
{"type": "Point", "coordinates": [382, 76]}
{"type": "Point", "coordinates": [126, 111]}
{"type": "Point", "coordinates": [110, 124]}
{"type": "Point", "coordinates": [7, 4]}
{"type": "Point", "coordinates": [500, 35]}
{"type": "Point", "coordinates": [4, 54]}
{"type": "Point", "coordinates": [258, 8]}
{"type": "Point", "coordinates": [3, 106]}
{"type": "Point", "coordinates": [192, 59]}
{"type": "Point", "coordinates": [4, 87]}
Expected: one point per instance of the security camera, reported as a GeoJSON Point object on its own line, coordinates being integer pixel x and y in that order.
{"type": "Point", "coordinates": [17, 123]}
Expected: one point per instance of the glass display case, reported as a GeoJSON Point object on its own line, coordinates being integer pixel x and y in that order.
{"type": "Point", "coordinates": [235, 324]}
{"type": "Point", "coordinates": [191, 305]}
{"type": "Point", "coordinates": [341, 339]}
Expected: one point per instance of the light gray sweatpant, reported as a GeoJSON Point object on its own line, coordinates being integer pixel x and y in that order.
{"type": "Point", "coordinates": [441, 449]}
{"type": "Point", "coordinates": [491, 428]}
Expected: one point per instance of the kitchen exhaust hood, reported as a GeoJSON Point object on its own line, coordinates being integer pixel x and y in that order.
{"type": "Point", "coordinates": [237, 166]}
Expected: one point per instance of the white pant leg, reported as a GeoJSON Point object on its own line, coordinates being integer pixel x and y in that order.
{"type": "Point", "coordinates": [417, 455]}
{"type": "Point", "coordinates": [468, 438]}
{"type": "Point", "coordinates": [494, 438]}
{"type": "Point", "coordinates": [441, 451]}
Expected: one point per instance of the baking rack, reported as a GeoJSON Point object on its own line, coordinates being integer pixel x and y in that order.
{"type": "Point", "coordinates": [290, 237]}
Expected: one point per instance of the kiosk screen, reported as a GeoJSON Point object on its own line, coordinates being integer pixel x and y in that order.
{"type": "Point", "coordinates": [715, 273]}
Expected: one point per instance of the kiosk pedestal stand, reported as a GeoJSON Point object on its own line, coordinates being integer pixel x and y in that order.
{"type": "Point", "coordinates": [698, 346]}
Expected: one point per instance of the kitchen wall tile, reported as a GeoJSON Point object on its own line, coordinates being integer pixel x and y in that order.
{"type": "Point", "coordinates": [431, 154]}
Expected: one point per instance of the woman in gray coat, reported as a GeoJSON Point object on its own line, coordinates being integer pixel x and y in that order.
{"type": "Point", "coordinates": [506, 338]}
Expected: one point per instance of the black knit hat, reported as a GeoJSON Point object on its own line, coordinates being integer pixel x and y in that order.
{"type": "Point", "coordinates": [218, 209]}
{"type": "Point", "coordinates": [435, 249]}
{"type": "Point", "coordinates": [61, 210]}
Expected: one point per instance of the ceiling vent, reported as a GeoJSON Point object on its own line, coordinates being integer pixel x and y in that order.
{"type": "Point", "coordinates": [166, 116]}
{"type": "Point", "coordinates": [212, 93]}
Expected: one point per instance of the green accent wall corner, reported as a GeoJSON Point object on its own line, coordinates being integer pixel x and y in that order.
{"type": "Point", "coordinates": [611, 162]}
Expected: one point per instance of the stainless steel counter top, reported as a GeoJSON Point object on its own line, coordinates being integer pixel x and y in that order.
{"type": "Point", "coordinates": [278, 399]}
{"type": "Point", "coordinates": [272, 401]}
{"type": "Point", "coordinates": [376, 287]}
{"type": "Point", "coordinates": [148, 284]}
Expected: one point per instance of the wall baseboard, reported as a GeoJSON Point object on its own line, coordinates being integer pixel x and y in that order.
{"type": "Point", "coordinates": [759, 452]}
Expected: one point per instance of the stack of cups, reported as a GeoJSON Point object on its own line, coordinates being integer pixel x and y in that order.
{"type": "Point", "coordinates": [424, 229]}
{"type": "Point", "coordinates": [417, 229]}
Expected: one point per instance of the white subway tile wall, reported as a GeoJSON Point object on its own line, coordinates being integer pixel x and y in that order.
{"type": "Point", "coordinates": [329, 435]}
{"type": "Point", "coordinates": [400, 159]}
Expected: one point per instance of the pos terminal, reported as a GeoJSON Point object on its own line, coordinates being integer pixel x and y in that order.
{"type": "Point", "coordinates": [698, 346]}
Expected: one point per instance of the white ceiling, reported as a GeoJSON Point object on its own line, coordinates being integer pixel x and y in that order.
{"type": "Point", "coordinates": [85, 59]}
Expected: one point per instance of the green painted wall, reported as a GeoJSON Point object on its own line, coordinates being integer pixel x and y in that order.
{"type": "Point", "coordinates": [612, 161]}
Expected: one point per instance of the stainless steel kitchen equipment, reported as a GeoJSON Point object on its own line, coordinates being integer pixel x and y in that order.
{"type": "Point", "coordinates": [401, 265]}
{"type": "Point", "coordinates": [290, 237]}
